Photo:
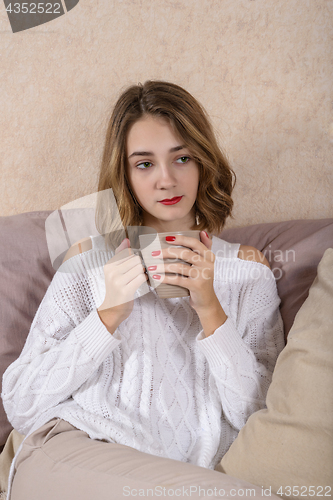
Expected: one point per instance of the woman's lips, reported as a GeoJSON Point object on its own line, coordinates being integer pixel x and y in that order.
{"type": "Point", "coordinates": [172, 201]}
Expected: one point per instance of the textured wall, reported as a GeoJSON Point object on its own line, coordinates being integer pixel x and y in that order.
{"type": "Point", "coordinates": [262, 69]}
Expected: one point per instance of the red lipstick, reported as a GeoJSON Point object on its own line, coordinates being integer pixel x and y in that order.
{"type": "Point", "coordinates": [173, 201]}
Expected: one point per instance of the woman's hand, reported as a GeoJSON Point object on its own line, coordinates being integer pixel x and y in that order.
{"type": "Point", "coordinates": [124, 274]}
{"type": "Point", "coordinates": [197, 276]}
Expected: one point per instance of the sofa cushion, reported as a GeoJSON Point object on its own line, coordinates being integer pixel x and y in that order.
{"type": "Point", "coordinates": [26, 273]}
{"type": "Point", "coordinates": [289, 445]}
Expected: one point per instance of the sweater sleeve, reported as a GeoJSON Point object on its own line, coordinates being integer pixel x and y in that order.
{"type": "Point", "coordinates": [66, 344]}
{"type": "Point", "coordinates": [243, 351]}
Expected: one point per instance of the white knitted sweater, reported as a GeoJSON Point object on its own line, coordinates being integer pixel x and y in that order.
{"type": "Point", "coordinates": [157, 384]}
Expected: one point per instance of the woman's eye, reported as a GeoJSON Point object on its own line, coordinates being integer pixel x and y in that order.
{"type": "Point", "coordinates": [145, 164]}
{"type": "Point", "coordinates": [183, 159]}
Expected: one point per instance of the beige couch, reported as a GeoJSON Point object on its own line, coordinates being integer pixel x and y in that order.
{"type": "Point", "coordinates": [286, 449]}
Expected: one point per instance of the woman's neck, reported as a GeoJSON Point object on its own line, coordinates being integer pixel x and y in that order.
{"type": "Point", "coordinates": [162, 226]}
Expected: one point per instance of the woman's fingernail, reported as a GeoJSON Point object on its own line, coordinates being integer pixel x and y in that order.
{"type": "Point", "coordinates": [206, 234]}
{"type": "Point", "coordinates": [152, 268]}
{"type": "Point", "coordinates": [156, 277]}
{"type": "Point", "coordinates": [170, 238]}
{"type": "Point", "coordinates": [156, 252]}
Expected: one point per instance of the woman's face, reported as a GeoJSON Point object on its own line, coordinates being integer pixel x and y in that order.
{"type": "Point", "coordinates": [161, 167]}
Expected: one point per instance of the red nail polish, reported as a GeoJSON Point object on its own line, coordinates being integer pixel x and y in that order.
{"type": "Point", "coordinates": [156, 252]}
{"type": "Point", "coordinates": [152, 268]}
{"type": "Point", "coordinates": [206, 234]}
{"type": "Point", "coordinates": [156, 277]}
{"type": "Point", "coordinates": [170, 238]}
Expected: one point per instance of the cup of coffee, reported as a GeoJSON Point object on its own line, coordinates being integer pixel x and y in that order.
{"type": "Point", "coordinates": [152, 242]}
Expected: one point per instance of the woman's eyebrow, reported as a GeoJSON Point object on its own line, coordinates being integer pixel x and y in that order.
{"type": "Point", "coordinates": [149, 153]}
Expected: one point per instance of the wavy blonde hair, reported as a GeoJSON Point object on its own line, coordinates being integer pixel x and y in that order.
{"type": "Point", "coordinates": [190, 122]}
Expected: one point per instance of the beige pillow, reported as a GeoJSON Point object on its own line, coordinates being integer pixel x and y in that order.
{"type": "Point", "coordinates": [288, 447]}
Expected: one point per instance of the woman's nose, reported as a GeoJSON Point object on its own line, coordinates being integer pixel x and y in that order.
{"type": "Point", "coordinates": [166, 177]}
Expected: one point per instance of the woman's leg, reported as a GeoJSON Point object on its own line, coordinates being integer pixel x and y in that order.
{"type": "Point", "coordinates": [60, 462]}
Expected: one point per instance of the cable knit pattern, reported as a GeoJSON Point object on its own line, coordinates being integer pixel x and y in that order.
{"type": "Point", "coordinates": [157, 384]}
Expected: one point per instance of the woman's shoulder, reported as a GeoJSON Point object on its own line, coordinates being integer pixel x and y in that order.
{"type": "Point", "coordinates": [86, 256]}
{"type": "Point", "coordinates": [224, 249]}
{"type": "Point", "coordinates": [96, 243]}
{"type": "Point", "coordinates": [227, 250]}
{"type": "Point", "coordinates": [80, 246]}
{"type": "Point", "coordinates": [253, 254]}
{"type": "Point", "coordinates": [241, 265]}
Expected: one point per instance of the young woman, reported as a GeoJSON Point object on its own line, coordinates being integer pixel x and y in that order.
{"type": "Point", "coordinates": [108, 389]}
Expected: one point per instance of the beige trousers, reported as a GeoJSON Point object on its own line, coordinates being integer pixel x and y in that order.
{"type": "Point", "coordinates": [60, 462]}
